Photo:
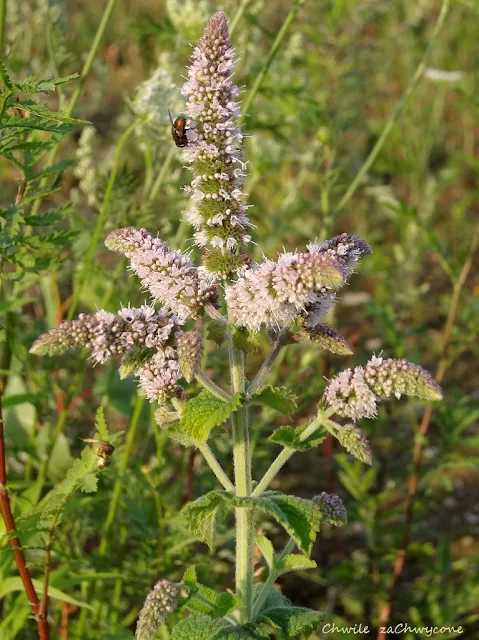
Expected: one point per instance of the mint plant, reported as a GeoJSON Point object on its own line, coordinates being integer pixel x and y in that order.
{"type": "Point", "coordinates": [239, 300]}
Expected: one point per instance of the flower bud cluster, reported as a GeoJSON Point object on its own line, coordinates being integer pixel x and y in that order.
{"type": "Point", "coordinates": [273, 294]}
{"type": "Point", "coordinates": [354, 441]}
{"type": "Point", "coordinates": [145, 339]}
{"type": "Point", "coordinates": [218, 212]}
{"type": "Point", "coordinates": [326, 337]}
{"type": "Point", "coordinates": [190, 352]}
{"type": "Point", "coordinates": [332, 508]}
{"type": "Point", "coordinates": [107, 335]}
{"type": "Point", "coordinates": [354, 393]}
{"type": "Point", "coordinates": [158, 377]}
{"type": "Point", "coordinates": [158, 604]}
{"type": "Point", "coordinates": [170, 276]}
{"type": "Point", "coordinates": [389, 376]}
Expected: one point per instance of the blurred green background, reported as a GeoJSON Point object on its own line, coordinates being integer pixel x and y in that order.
{"type": "Point", "coordinates": [334, 82]}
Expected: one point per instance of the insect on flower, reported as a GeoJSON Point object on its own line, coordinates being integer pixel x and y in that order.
{"type": "Point", "coordinates": [178, 130]}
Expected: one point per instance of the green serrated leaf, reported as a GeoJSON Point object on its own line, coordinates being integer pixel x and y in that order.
{"type": "Point", "coordinates": [89, 483]}
{"type": "Point", "coordinates": [266, 548]}
{"type": "Point", "coordinates": [31, 85]}
{"type": "Point", "coordinates": [294, 562]}
{"type": "Point", "coordinates": [216, 332]}
{"type": "Point", "coordinates": [177, 434]}
{"type": "Point", "coordinates": [42, 110]}
{"type": "Point", "coordinates": [226, 603]}
{"type": "Point", "coordinates": [201, 515]}
{"type": "Point", "coordinates": [279, 398]}
{"type": "Point", "coordinates": [58, 167]}
{"type": "Point", "coordinates": [100, 424]}
{"type": "Point", "coordinates": [7, 81]}
{"type": "Point", "coordinates": [299, 517]}
{"type": "Point", "coordinates": [204, 412]}
{"type": "Point", "coordinates": [189, 578]}
{"type": "Point", "coordinates": [49, 217]}
{"type": "Point", "coordinates": [278, 611]}
{"type": "Point", "coordinates": [37, 123]}
{"type": "Point", "coordinates": [290, 437]}
{"type": "Point", "coordinates": [206, 628]}
{"type": "Point", "coordinates": [245, 340]}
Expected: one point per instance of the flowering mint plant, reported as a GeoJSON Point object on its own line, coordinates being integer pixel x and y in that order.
{"type": "Point", "coordinates": [286, 297]}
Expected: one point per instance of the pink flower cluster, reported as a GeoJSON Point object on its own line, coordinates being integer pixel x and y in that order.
{"type": "Point", "coordinates": [170, 276]}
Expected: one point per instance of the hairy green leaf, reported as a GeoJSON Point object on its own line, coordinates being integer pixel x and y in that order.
{"type": "Point", "coordinates": [245, 340]}
{"type": "Point", "coordinates": [7, 81]}
{"type": "Point", "coordinates": [278, 611]}
{"type": "Point", "coordinates": [42, 110]}
{"type": "Point", "coordinates": [294, 562]}
{"type": "Point", "coordinates": [291, 437]}
{"type": "Point", "coordinates": [279, 398]}
{"type": "Point", "coordinates": [216, 332]}
{"type": "Point", "coordinates": [204, 412]}
{"type": "Point", "coordinates": [201, 515]}
{"type": "Point", "coordinates": [299, 517]}
{"type": "Point", "coordinates": [100, 424]}
{"type": "Point", "coordinates": [206, 628]}
{"type": "Point", "coordinates": [266, 548]}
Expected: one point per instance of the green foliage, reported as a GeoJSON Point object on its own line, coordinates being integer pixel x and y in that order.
{"type": "Point", "coordinates": [318, 112]}
{"type": "Point", "coordinates": [279, 398]}
{"type": "Point", "coordinates": [201, 515]}
{"type": "Point", "coordinates": [278, 611]}
{"type": "Point", "coordinates": [205, 412]}
{"type": "Point", "coordinates": [245, 340]}
{"type": "Point", "coordinates": [22, 125]}
{"type": "Point", "coordinates": [206, 628]}
{"type": "Point", "coordinates": [299, 517]}
{"type": "Point", "coordinates": [216, 332]}
{"type": "Point", "coordinates": [290, 437]}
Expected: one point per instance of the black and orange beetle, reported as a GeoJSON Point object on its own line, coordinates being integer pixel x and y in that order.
{"type": "Point", "coordinates": [178, 130]}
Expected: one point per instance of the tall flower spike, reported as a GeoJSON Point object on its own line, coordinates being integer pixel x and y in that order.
{"type": "Point", "coordinates": [170, 276]}
{"type": "Point", "coordinates": [218, 212]}
{"type": "Point", "coordinates": [274, 293]}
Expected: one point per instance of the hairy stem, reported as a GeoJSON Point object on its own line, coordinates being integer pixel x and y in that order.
{"type": "Point", "coordinates": [214, 314]}
{"type": "Point", "coordinates": [19, 557]}
{"type": "Point", "coordinates": [398, 110]}
{"type": "Point", "coordinates": [215, 466]}
{"type": "Point", "coordinates": [284, 456]}
{"type": "Point", "coordinates": [212, 387]}
{"type": "Point", "coordinates": [242, 464]}
{"type": "Point", "coordinates": [266, 366]}
{"type": "Point", "coordinates": [270, 580]}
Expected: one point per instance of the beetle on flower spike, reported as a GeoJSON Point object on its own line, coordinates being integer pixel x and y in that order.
{"type": "Point", "coordinates": [178, 130]}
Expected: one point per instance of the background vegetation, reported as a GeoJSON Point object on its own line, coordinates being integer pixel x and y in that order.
{"type": "Point", "coordinates": [321, 81]}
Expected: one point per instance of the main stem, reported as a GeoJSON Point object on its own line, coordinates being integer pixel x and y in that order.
{"type": "Point", "coordinates": [242, 463]}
